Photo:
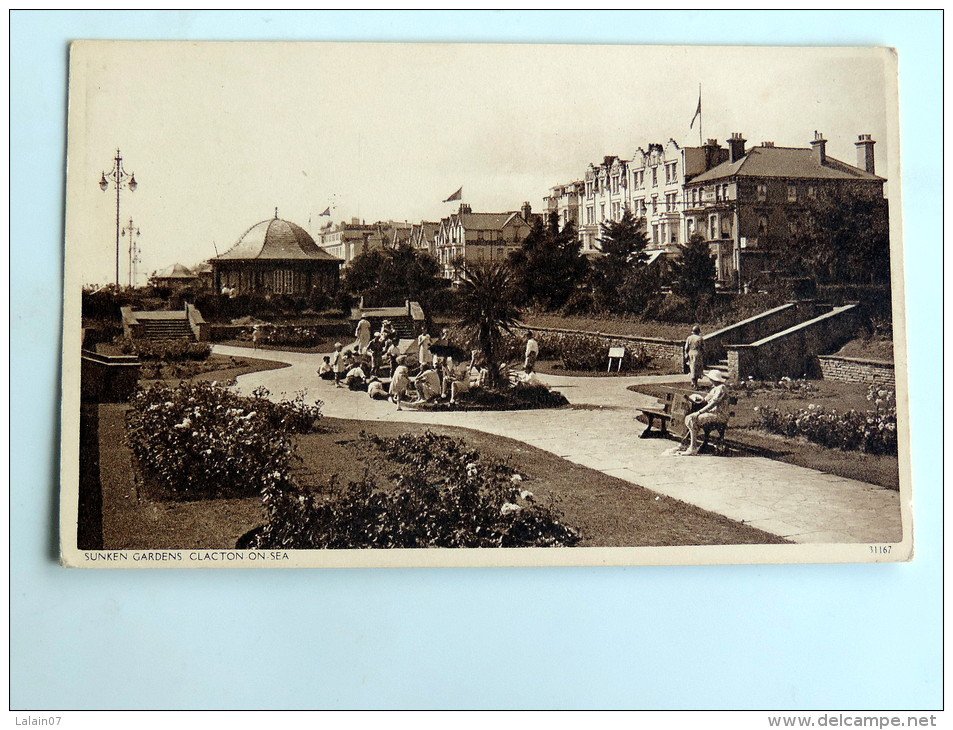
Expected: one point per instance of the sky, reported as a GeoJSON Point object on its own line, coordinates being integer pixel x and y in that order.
{"type": "Point", "coordinates": [220, 134]}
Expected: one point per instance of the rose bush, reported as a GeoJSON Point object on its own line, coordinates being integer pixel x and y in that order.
{"type": "Point", "coordinates": [450, 497]}
{"type": "Point", "coordinates": [199, 440]}
{"type": "Point", "coordinates": [872, 431]}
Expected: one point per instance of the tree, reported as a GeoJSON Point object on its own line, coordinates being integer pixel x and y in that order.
{"type": "Point", "coordinates": [548, 266]}
{"type": "Point", "coordinates": [488, 309]}
{"type": "Point", "coordinates": [838, 240]}
{"type": "Point", "coordinates": [390, 276]}
{"type": "Point", "coordinates": [695, 272]}
{"type": "Point", "coordinates": [618, 276]}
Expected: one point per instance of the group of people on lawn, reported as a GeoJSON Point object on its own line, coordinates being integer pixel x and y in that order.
{"type": "Point", "coordinates": [431, 374]}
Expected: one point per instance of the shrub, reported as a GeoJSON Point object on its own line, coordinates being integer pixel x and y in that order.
{"type": "Point", "coordinates": [785, 387]}
{"type": "Point", "coordinates": [585, 352]}
{"type": "Point", "coordinates": [286, 335]}
{"type": "Point", "coordinates": [450, 497]}
{"type": "Point", "coordinates": [873, 431]}
{"type": "Point", "coordinates": [199, 441]}
{"type": "Point", "coordinates": [168, 350]}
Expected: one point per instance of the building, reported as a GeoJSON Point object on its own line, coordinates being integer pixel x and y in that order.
{"type": "Point", "coordinates": [564, 200]}
{"type": "Point", "coordinates": [765, 191]}
{"type": "Point", "coordinates": [468, 237]}
{"type": "Point", "coordinates": [348, 240]}
{"type": "Point", "coordinates": [423, 236]}
{"type": "Point", "coordinates": [276, 257]}
{"type": "Point", "coordinates": [176, 276]}
{"type": "Point", "coordinates": [649, 185]}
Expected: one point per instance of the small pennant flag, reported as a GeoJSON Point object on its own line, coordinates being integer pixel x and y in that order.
{"type": "Point", "coordinates": [327, 211]}
{"type": "Point", "coordinates": [456, 196]}
{"type": "Point", "coordinates": [698, 111]}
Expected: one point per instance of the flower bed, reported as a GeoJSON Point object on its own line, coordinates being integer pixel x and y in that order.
{"type": "Point", "coordinates": [200, 441]}
{"type": "Point", "coordinates": [294, 336]}
{"type": "Point", "coordinates": [448, 496]}
{"type": "Point", "coordinates": [785, 387]}
{"type": "Point", "coordinates": [167, 350]}
{"type": "Point", "coordinates": [872, 431]}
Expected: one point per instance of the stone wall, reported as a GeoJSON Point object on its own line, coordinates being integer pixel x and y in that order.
{"type": "Point", "coordinates": [856, 370]}
{"type": "Point", "coordinates": [794, 352]}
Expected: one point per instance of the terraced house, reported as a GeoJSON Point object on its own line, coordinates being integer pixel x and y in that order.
{"type": "Point", "coordinates": [764, 193]}
{"type": "Point", "coordinates": [466, 236]}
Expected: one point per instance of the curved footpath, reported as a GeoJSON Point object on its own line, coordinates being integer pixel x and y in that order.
{"type": "Point", "coordinates": [597, 430]}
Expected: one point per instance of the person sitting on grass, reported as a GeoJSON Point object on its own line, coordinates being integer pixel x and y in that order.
{"type": "Point", "coordinates": [714, 410]}
{"type": "Point", "coordinates": [399, 381]}
{"type": "Point", "coordinates": [527, 376]}
{"type": "Point", "coordinates": [376, 389]}
{"type": "Point", "coordinates": [427, 383]}
{"type": "Point", "coordinates": [325, 371]}
{"type": "Point", "coordinates": [356, 378]}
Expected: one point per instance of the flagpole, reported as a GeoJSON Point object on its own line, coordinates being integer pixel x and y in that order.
{"type": "Point", "coordinates": [699, 114]}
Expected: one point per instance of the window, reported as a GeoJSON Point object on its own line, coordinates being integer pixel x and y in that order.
{"type": "Point", "coordinates": [811, 192]}
{"type": "Point", "coordinates": [589, 215]}
{"type": "Point", "coordinates": [655, 176]}
{"type": "Point", "coordinates": [615, 183]}
{"type": "Point", "coordinates": [792, 193]}
{"type": "Point", "coordinates": [724, 192]}
{"type": "Point", "coordinates": [589, 189]}
{"type": "Point", "coordinates": [655, 233]}
{"type": "Point", "coordinates": [762, 225]}
{"type": "Point", "coordinates": [712, 226]}
{"type": "Point", "coordinates": [615, 211]}
{"type": "Point", "coordinates": [655, 205]}
{"type": "Point", "coordinates": [762, 192]}
{"type": "Point", "coordinates": [670, 202]}
{"type": "Point", "coordinates": [792, 226]}
{"type": "Point", "coordinates": [717, 193]}
{"type": "Point", "coordinates": [674, 172]}
{"type": "Point", "coordinates": [602, 211]}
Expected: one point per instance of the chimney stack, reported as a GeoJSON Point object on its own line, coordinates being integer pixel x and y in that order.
{"type": "Point", "coordinates": [865, 153]}
{"type": "Point", "coordinates": [819, 145]}
{"type": "Point", "coordinates": [465, 208]}
{"type": "Point", "coordinates": [736, 147]}
{"type": "Point", "coordinates": [527, 211]}
{"type": "Point", "coordinates": [711, 148]}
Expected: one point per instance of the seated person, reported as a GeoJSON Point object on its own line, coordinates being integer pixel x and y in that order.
{"type": "Point", "coordinates": [427, 383]}
{"type": "Point", "coordinates": [527, 376]}
{"type": "Point", "coordinates": [465, 377]}
{"type": "Point", "coordinates": [715, 410]}
{"type": "Point", "coordinates": [355, 378]}
{"type": "Point", "coordinates": [326, 372]}
{"type": "Point", "coordinates": [376, 389]}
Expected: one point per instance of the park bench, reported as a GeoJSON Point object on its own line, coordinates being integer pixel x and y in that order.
{"type": "Point", "coordinates": [671, 419]}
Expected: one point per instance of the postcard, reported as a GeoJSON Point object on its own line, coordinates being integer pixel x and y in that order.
{"type": "Point", "coordinates": [358, 304]}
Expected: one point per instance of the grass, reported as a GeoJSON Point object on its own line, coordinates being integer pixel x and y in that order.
{"type": "Point", "coordinates": [869, 348]}
{"type": "Point", "coordinates": [324, 345]}
{"type": "Point", "coordinates": [655, 367]}
{"type": "Point", "coordinates": [606, 511]}
{"type": "Point", "coordinates": [744, 430]}
{"type": "Point", "coordinates": [216, 367]}
{"type": "Point", "coordinates": [612, 324]}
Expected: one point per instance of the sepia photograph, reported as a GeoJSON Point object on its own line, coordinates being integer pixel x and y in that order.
{"type": "Point", "coordinates": [398, 304]}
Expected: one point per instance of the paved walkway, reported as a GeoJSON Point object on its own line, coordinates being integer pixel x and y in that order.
{"type": "Point", "coordinates": [597, 430]}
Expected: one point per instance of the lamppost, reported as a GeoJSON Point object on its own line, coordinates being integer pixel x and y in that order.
{"type": "Point", "coordinates": [121, 178]}
{"type": "Point", "coordinates": [133, 234]}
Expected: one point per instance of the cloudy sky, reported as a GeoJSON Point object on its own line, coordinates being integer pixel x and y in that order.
{"type": "Point", "coordinates": [220, 134]}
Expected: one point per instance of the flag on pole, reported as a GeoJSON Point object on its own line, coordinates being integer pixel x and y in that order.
{"type": "Point", "coordinates": [698, 111]}
{"type": "Point", "coordinates": [456, 196]}
{"type": "Point", "coordinates": [327, 211]}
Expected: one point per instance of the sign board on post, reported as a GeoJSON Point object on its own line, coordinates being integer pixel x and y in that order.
{"type": "Point", "coordinates": [616, 353]}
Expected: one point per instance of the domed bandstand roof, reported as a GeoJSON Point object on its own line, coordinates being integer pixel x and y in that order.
{"type": "Point", "coordinates": [276, 239]}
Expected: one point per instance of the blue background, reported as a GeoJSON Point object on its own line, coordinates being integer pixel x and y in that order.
{"type": "Point", "coordinates": [734, 637]}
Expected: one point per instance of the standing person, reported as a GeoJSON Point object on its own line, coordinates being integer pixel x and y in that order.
{"type": "Point", "coordinates": [399, 381]}
{"type": "Point", "coordinates": [694, 352]}
{"type": "Point", "coordinates": [393, 353]}
{"type": "Point", "coordinates": [423, 344]}
{"type": "Point", "coordinates": [256, 336]}
{"type": "Point", "coordinates": [363, 335]}
{"type": "Point", "coordinates": [376, 350]}
{"type": "Point", "coordinates": [532, 351]}
{"type": "Point", "coordinates": [715, 410]}
{"type": "Point", "coordinates": [337, 363]}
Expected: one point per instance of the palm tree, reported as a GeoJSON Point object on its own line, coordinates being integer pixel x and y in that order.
{"type": "Point", "coordinates": [487, 309]}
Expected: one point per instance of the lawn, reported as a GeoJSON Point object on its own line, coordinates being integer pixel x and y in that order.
{"type": "Point", "coordinates": [605, 510]}
{"type": "Point", "coordinates": [612, 324]}
{"type": "Point", "coordinates": [323, 345]}
{"type": "Point", "coordinates": [744, 431]}
{"type": "Point", "coordinates": [215, 367]}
